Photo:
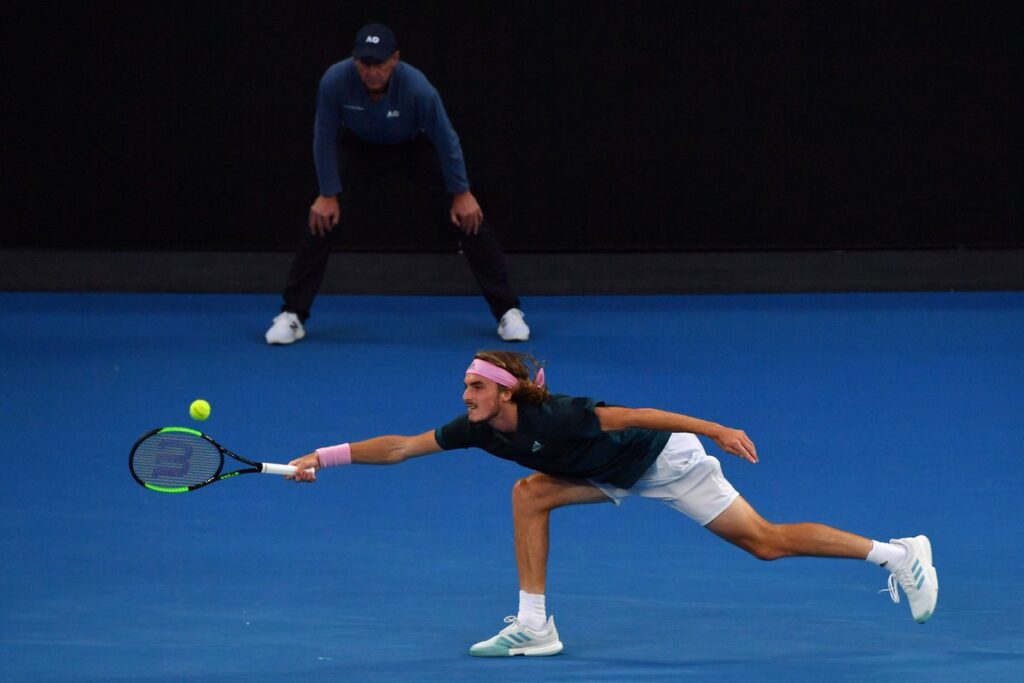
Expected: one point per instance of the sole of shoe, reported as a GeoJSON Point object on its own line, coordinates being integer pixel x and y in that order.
{"type": "Point", "coordinates": [538, 651]}
{"type": "Point", "coordinates": [282, 342]}
{"type": "Point", "coordinates": [543, 651]}
{"type": "Point", "coordinates": [933, 577]}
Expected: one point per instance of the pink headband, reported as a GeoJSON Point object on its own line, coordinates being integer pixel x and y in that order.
{"type": "Point", "coordinates": [500, 375]}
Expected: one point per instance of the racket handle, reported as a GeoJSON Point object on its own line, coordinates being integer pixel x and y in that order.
{"type": "Point", "coordinates": [272, 468]}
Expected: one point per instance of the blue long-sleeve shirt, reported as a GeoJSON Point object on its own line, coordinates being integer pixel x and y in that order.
{"type": "Point", "coordinates": [410, 106]}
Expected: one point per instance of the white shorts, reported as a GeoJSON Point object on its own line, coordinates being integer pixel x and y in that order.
{"type": "Point", "coordinates": [685, 478]}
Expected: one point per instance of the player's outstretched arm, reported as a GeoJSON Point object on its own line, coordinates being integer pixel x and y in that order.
{"type": "Point", "coordinates": [380, 450]}
{"type": "Point", "coordinates": [730, 440]}
{"type": "Point", "coordinates": [391, 450]}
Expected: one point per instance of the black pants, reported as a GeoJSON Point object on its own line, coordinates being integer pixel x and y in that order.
{"type": "Point", "coordinates": [363, 164]}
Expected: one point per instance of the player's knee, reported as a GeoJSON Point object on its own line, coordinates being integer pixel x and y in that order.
{"type": "Point", "coordinates": [767, 543]}
{"type": "Point", "coordinates": [766, 553]}
{"type": "Point", "coordinates": [528, 494]}
{"type": "Point", "coordinates": [522, 492]}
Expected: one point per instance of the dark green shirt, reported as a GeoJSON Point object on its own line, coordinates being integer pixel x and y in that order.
{"type": "Point", "coordinates": [562, 438]}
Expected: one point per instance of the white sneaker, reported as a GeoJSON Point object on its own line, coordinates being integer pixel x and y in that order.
{"type": "Point", "coordinates": [917, 577]}
{"type": "Point", "coordinates": [512, 326]}
{"type": "Point", "coordinates": [517, 639]}
{"type": "Point", "coordinates": [286, 329]}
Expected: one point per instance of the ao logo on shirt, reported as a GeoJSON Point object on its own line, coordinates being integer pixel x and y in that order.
{"type": "Point", "coordinates": [392, 113]}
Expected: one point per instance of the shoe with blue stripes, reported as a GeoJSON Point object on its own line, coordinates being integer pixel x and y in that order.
{"type": "Point", "coordinates": [518, 639]}
{"type": "Point", "coordinates": [917, 577]}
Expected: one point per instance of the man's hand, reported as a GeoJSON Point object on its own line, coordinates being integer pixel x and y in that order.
{"type": "Point", "coordinates": [307, 464]}
{"type": "Point", "coordinates": [466, 213]}
{"type": "Point", "coordinates": [323, 215]}
{"type": "Point", "coordinates": [735, 441]}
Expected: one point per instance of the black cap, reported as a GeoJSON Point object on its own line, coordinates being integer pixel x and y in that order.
{"type": "Point", "coordinates": [374, 43]}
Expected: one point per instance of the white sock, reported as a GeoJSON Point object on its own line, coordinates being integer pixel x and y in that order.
{"type": "Point", "coordinates": [886, 555]}
{"type": "Point", "coordinates": [532, 613]}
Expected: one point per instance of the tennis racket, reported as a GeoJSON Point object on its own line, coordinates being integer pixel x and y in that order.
{"type": "Point", "coordinates": [179, 459]}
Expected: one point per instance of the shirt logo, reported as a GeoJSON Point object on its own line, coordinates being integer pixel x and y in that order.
{"type": "Point", "coordinates": [392, 113]}
{"type": "Point", "coordinates": [537, 445]}
{"type": "Point", "coordinates": [372, 39]}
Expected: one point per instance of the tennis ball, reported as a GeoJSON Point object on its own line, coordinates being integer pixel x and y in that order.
{"type": "Point", "coordinates": [199, 410]}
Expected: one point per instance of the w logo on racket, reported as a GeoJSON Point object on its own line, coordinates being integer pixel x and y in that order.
{"type": "Point", "coordinates": [173, 464]}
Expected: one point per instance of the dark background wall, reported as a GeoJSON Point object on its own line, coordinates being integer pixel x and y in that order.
{"type": "Point", "coordinates": [586, 125]}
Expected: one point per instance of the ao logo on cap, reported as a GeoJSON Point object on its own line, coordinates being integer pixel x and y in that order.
{"type": "Point", "coordinates": [372, 39]}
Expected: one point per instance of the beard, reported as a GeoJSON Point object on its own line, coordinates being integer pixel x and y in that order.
{"type": "Point", "coordinates": [475, 414]}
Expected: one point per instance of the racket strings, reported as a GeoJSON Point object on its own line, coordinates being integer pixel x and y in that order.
{"type": "Point", "coordinates": [175, 459]}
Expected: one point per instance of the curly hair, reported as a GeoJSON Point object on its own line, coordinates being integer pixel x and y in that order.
{"type": "Point", "coordinates": [519, 365]}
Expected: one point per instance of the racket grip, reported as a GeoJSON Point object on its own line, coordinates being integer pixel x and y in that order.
{"type": "Point", "coordinates": [273, 468]}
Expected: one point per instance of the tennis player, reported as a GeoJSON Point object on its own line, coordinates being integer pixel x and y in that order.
{"type": "Point", "coordinates": [585, 451]}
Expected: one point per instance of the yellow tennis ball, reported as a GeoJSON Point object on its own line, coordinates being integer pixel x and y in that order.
{"type": "Point", "coordinates": [199, 410]}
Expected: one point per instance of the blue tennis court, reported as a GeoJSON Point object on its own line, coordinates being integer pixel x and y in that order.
{"type": "Point", "coordinates": [885, 414]}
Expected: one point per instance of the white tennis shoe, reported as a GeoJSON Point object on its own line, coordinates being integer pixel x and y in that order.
{"type": "Point", "coordinates": [517, 639]}
{"type": "Point", "coordinates": [287, 328]}
{"type": "Point", "coordinates": [917, 577]}
{"type": "Point", "coordinates": [512, 327]}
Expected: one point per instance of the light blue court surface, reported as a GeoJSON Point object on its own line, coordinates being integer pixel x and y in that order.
{"type": "Point", "coordinates": [885, 414]}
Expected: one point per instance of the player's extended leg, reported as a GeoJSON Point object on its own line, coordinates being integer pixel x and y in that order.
{"type": "Point", "coordinates": [914, 572]}
{"type": "Point", "coordinates": [741, 525]}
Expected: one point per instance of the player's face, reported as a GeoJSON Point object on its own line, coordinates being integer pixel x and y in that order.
{"type": "Point", "coordinates": [483, 398]}
{"type": "Point", "coordinates": [375, 76]}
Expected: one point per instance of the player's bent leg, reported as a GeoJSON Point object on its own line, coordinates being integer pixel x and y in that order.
{"type": "Point", "coordinates": [741, 525]}
{"type": "Point", "coordinates": [533, 499]}
{"type": "Point", "coordinates": [540, 491]}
